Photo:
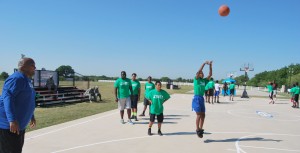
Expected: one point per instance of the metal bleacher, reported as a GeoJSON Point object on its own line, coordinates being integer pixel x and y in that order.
{"type": "Point", "coordinates": [62, 95]}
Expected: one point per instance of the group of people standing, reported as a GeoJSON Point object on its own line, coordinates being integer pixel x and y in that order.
{"type": "Point", "coordinates": [213, 89]}
{"type": "Point", "coordinates": [127, 94]}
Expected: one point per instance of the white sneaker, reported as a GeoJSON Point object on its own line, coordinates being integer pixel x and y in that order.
{"type": "Point", "coordinates": [122, 121]}
{"type": "Point", "coordinates": [130, 122]}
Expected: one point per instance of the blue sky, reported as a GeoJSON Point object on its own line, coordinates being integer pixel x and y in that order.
{"type": "Point", "coordinates": [150, 37]}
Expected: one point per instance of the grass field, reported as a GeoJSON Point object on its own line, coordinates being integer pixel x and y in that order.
{"type": "Point", "coordinates": [51, 115]}
{"type": "Point", "coordinates": [47, 116]}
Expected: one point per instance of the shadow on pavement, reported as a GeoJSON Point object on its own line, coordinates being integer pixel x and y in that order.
{"type": "Point", "coordinates": [235, 139]}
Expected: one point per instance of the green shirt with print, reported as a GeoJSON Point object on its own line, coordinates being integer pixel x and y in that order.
{"type": "Point", "coordinates": [123, 87]}
{"type": "Point", "coordinates": [199, 86]}
{"type": "Point", "coordinates": [232, 86]}
{"type": "Point", "coordinates": [135, 87]}
{"type": "Point", "coordinates": [296, 90]}
{"type": "Point", "coordinates": [157, 98]}
{"type": "Point", "coordinates": [148, 87]}
{"type": "Point", "coordinates": [211, 84]}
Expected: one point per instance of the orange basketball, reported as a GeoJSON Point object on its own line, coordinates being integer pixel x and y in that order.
{"type": "Point", "coordinates": [224, 10]}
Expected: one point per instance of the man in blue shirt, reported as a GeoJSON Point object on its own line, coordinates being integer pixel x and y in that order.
{"type": "Point", "coordinates": [17, 105]}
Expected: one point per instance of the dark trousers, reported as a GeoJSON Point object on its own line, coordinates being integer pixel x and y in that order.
{"type": "Point", "coordinates": [11, 142]}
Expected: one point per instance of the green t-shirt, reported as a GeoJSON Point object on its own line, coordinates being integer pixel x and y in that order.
{"type": "Point", "coordinates": [270, 88]}
{"type": "Point", "coordinates": [199, 86]}
{"type": "Point", "coordinates": [157, 98]}
{"type": "Point", "coordinates": [296, 90]}
{"type": "Point", "coordinates": [211, 85]}
{"type": "Point", "coordinates": [292, 91]}
{"type": "Point", "coordinates": [232, 86]}
{"type": "Point", "coordinates": [148, 87]}
{"type": "Point", "coordinates": [123, 87]}
{"type": "Point", "coordinates": [135, 87]}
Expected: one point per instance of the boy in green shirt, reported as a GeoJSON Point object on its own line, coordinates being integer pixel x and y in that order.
{"type": "Point", "coordinates": [136, 88]}
{"type": "Point", "coordinates": [198, 104]}
{"type": "Point", "coordinates": [211, 86]}
{"type": "Point", "coordinates": [231, 88]}
{"type": "Point", "coordinates": [157, 97]}
{"type": "Point", "coordinates": [293, 95]}
{"type": "Point", "coordinates": [148, 87]}
{"type": "Point", "coordinates": [270, 90]}
{"type": "Point", "coordinates": [296, 93]}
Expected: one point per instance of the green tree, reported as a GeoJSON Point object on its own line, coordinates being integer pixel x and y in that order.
{"type": "Point", "coordinates": [4, 76]}
{"type": "Point", "coordinates": [65, 70]}
{"type": "Point", "coordinates": [164, 79]}
{"type": "Point", "coordinates": [179, 79]}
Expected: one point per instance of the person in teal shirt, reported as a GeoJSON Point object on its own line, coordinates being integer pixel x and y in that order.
{"type": "Point", "coordinates": [211, 87]}
{"type": "Point", "coordinates": [296, 93]}
{"type": "Point", "coordinates": [157, 98]}
{"type": "Point", "coordinates": [206, 92]}
{"type": "Point", "coordinates": [270, 90]}
{"type": "Point", "coordinates": [231, 89]}
{"type": "Point", "coordinates": [198, 104]}
{"type": "Point", "coordinates": [136, 88]}
{"type": "Point", "coordinates": [123, 88]}
{"type": "Point", "coordinates": [292, 92]}
{"type": "Point", "coordinates": [148, 87]}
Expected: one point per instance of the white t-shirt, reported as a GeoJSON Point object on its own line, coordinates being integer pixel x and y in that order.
{"type": "Point", "coordinates": [217, 86]}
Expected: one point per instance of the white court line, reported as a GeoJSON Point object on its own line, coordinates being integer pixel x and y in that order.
{"type": "Point", "coordinates": [238, 149]}
{"type": "Point", "coordinates": [103, 142]}
{"type": "Point", "coordinates": [270, 148]}
{"type": "Point", "coordinates": [53, 131]}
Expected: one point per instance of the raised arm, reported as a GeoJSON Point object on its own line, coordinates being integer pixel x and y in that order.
{"type": "Point", "coordinates": [201, 69]}
{"type": "Point", "coordinates": [210, 71]}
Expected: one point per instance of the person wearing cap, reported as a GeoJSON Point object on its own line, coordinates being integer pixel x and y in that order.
{"type": "Point", "coordinates": [17, 105]}
{"type": "Point", "coordinates": [148, 87]}
{"type": "Point", "coordinates": [122, 90]}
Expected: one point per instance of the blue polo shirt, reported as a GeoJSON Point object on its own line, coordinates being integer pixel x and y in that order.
{"type": "Point", "coordinates": [17, 101]}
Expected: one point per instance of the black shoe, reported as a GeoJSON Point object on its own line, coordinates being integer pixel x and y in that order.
{"type": "Point", "coordinates": [159, 133]}
{"type": "Point", "coordinates": [200, 133]}
{"type": "Point", "coordinates": [149, 131]}
{"type": "Point", "coordinates": [136, 118]}
{"type": "Point", "coordinates": [142, 115]}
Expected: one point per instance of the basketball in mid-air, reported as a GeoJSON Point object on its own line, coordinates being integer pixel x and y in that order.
{"type": "Point", "coordinates": [224, 10]}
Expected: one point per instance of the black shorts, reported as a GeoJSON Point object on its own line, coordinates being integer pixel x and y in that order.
{"type": "Point", "coordinates": [296, 98]}
{"type": "Point", "coordinates": [146, 101]}
{"type": "Point", "coordinates": [160, 118]}
{"type": "Point", "coordinates": [11, 142]}
{"type": "Point", "coordinates": [134, 101]}
{"type": "Point", "coordinates": [231, 91]}
{"type": "Point", "coordinates": [210, 92]}
{"type": "Point", "coordinates": [271, 95]}
{"type": "Point", "coordinates": [206, 92]}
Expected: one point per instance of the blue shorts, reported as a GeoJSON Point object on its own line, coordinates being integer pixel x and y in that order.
{"type": "Point", "coordinates": [198, 104]}
{"type": "Point", "coordinates": [217, 93]}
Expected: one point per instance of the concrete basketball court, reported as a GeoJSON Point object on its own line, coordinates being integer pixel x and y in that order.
{"type": "Point", "coordinates": [242, 126]}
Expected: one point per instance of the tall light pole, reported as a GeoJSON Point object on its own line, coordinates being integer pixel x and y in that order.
{"type": "Point", "coordinates": [246, 68]}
